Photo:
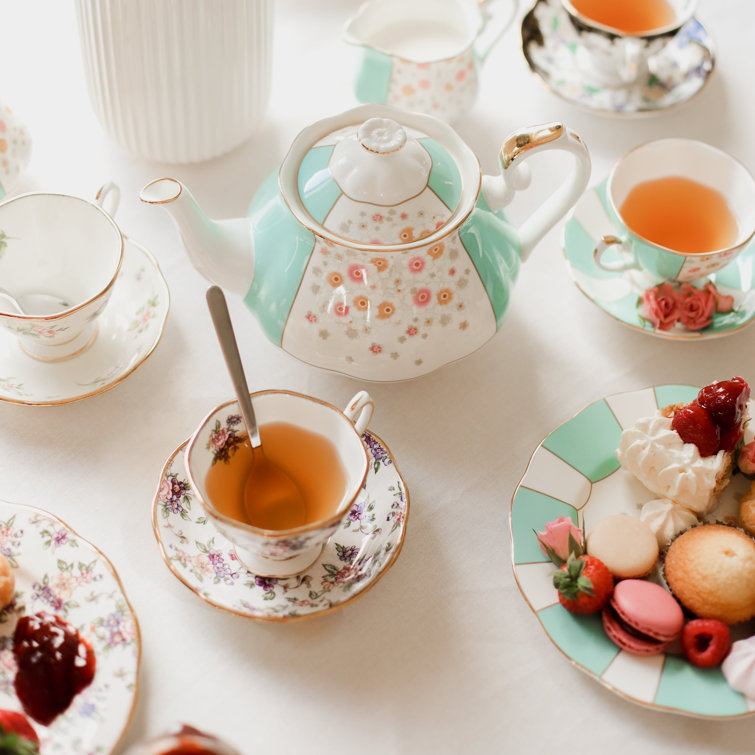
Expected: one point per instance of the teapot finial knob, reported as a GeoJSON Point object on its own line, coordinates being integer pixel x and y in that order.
{"type": "Point", "coordinates": [381, 135]}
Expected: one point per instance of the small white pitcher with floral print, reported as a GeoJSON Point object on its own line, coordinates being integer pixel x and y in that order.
{"type": "Point", "coordinates": [425, 55]}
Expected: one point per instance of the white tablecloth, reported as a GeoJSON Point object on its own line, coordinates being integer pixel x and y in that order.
{"type": "Point", "coordinates": [443, 655]}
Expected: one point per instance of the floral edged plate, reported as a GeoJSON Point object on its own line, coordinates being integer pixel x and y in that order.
{"type": "Point", "coordinates": [61, 573]}
{"type": "Point", "coordinates": [574, 472]}
{"type": "Point", "coordinates": [620, 294]}
{"type": "Point", "coordinates": [128, 332]}
{"type": "Point", "coordinates": [356, 557]}
{"type": "Point", "coordinates": [677, 74]}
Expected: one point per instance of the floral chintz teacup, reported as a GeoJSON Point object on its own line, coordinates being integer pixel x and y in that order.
{"type": "Point", "coordinates": [60, 256]}
{"type": "Point", "coordinates": [424, 55]}
{"type": "Point", "coordinates": [687, 192]}
{"type": "Point", "coordinates": [281, 552]}
{"type": "Point", "coordinates": [617, 39]}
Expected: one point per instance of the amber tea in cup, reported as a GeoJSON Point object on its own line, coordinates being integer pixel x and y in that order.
{"type": "Point", "coordinates": [682, 210]}
{"type": "Point", "coordinates": [632, 17]}
{"type": "Point", "coordinates": [317, 445]}
{"type": "Point", "coordinates": [308, 458]}
{"type": "Point", "coordinates": [680, 214]}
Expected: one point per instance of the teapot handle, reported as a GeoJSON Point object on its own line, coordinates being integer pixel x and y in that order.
{"type": "Point", "coordinates": [515, 176]}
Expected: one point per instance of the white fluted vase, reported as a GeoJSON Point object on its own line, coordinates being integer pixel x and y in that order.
{"type": "Point", "coordinates": [177, 80]}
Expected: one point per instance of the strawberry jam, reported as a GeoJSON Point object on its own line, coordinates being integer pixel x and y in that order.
{"type": "Point", "coordinates": [54, 665]}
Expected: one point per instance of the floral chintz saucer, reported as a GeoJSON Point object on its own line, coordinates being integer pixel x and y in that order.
{"type": "Point", "coordinates": [620, 294]}
{"type": "Point", "coordinates": [60, 573]}
{"type": "Point", "coordinates": [128, 332]}
{"type": "Point", "coordinates": [356, 557]}
{"type": "Point", "coordinates": [574, 472]}
{"type": "Point", "coordinates": [677, 74]}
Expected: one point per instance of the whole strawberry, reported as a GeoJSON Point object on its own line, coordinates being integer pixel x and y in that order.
{"type": "Point", "coordinates": [695, 425]}
{"type": "Point", "coordinates": [725, 401]}
{"type": "Point", "coordinates": [584, 584]}
{"type": "Point", "coordinates": [17, 735]}
{"type": "Point", "coordinates": [706, 642]}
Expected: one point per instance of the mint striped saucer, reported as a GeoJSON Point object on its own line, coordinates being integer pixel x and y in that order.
{"type": "Point", "coordinates": [619, 294]}
{"type": "Point", "coordinates": [574, 472]}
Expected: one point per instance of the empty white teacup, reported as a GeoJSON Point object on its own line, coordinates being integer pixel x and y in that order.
{"type": "Point", "coordinates": [60, 256]}
{"type": "Point", "coordinates": [617, 39]}
{"type": "Point", "coordinates": [717, 193]}
{"type": "Point", "coordinates": [279, 552]}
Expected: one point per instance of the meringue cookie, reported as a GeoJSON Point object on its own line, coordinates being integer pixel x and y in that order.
{"type": "Point", "coordinates": [666, 519]}
{"type": "Point", "coordinates": [739, 667]}
{"type": "Point", "coordinates": [670, 468]}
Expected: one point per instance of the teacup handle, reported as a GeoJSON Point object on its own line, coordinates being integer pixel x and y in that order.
{"type": "Point", "coordinates": [515, 176]}
{"type": "Point", "coordinates": [494, 24]}
{"type": "Point", "coordinates": [359, 410]}
{"type": "Point", "coordinates": [108, 197]}
{"type": "Point", "coordinates": [606, 242]}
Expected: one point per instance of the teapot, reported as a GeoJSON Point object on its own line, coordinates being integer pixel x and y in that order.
{"type": "Point", "coordinates": [379, 250]}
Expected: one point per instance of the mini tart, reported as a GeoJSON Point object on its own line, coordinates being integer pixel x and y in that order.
{"type": "Point", "coordinates": [747, 510]}
{"type": "Point", "coordinates": [7, 582]}
{"type": "Point", "coordinates": [710, 569]}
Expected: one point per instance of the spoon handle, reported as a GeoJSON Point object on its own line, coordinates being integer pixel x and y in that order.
{"type": "Point", "coordinates": [223, 327]}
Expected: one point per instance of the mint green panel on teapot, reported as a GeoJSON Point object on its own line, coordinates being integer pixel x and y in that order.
{"type": "Point", "coordinates": [493, 246]}
{"type": "Point", "coordinates": [282, 248]}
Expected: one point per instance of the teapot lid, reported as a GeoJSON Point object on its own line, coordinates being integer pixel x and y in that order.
{"type": "Point", "coordinates": [378, 176]}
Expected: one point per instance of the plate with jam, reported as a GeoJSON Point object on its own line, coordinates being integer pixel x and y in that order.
{"type": "Point", "coordinates": [69, 640]}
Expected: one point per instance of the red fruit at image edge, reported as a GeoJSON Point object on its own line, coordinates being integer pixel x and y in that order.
{"type": "Point", "coordinates": [694, 425]}
{"type": "Point", "coordinates": [17, 735]}
{"type": "Point", "coordinates": [706, 642]}
{"type": "Point", "coordinates": [584, 584]}
{"type": "Point", "coordinates": [725, 401]}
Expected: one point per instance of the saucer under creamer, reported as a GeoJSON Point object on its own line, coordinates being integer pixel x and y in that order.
{"type": "Point", "coordinates": [676, 74]}
{"type": "Point", "coordinates": [619, 294]}
{"type": "Point", "coordinates": [361, 551]}
{"type": "Point", "coordinates": [129, 330]}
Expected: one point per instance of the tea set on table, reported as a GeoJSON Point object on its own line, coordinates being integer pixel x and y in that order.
{"type": "Point", "coordinates": [378, 250]}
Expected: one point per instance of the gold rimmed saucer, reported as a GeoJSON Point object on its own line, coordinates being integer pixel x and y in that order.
{"type": "Point", "coordinates": [360, 552]}
{"type": "Point", "coordinates": [129, 330]}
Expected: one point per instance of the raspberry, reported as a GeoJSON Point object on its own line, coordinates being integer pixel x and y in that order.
{"type": "Point", "coordinates": [706, 642]}
{"type": "Point", "coordinates": [726, 401]}
{"type": "Point", "coordinates": [695, 425]}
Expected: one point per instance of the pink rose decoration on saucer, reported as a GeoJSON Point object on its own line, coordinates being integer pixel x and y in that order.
{"type": "Point", "coordinates": [664, 306]}
{"type": "Point", "coordinates": [661, 305]}
{"type": "Point", "coordinates": [561, 537]}
{"type": "Point", "coordinates": [697, 307]}
{"type": "Point", "coordinates": [746, 461]}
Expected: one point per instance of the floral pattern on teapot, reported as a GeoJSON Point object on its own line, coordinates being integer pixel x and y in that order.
{"type": "Point", "coordinates": [392, 312]}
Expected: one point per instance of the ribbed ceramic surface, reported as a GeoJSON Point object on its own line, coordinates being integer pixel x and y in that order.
{"type": "Point", "coordinates": [177, 81]}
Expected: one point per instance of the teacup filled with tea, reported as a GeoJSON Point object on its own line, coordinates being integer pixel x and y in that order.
{"type": "Point", "coordinates": [617, 39]}
{"type": "Point", "coordinates": [313, 443]}
{"type": "Point", "coordinates": [684, 210]}
{"type": "Point", "coordinates": [60, 256]}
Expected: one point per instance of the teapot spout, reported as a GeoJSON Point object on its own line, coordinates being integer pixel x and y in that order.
{"type": "Point", "coordinates": [222, 251]}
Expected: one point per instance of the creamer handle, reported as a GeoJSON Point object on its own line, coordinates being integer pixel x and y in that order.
{"type": "Point", "coordinates": [515, 176]}
{"type": "Point", "coordinates": [496, 21]}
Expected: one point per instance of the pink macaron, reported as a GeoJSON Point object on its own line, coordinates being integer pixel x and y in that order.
{"type": "Point", "coordinates": [642, 617]}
